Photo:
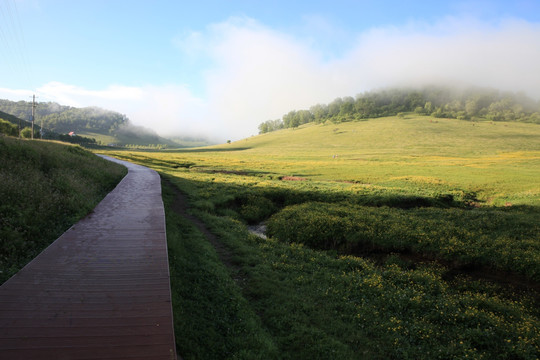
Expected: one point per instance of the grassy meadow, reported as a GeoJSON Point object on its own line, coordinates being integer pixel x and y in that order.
{"type": "Point", "coordinates": [497, 162]}
{"type": "Point", "coordinates": [45, 187]}
{"type": "Point", "coordinates": [391, 238]}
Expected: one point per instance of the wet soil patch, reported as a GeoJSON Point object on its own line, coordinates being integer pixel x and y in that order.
{"type": "Point", "coordinates": [233, 172]}
{"type": "Point", "coordinates": [227, 172]}
{"type": "Point", "coordinates": [293, 178]}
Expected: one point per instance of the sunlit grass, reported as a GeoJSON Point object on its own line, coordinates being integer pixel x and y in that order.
{"type": "Point", "coordinates": [500, 163]}
{"type": "Point", "coordinates": [460, 193]}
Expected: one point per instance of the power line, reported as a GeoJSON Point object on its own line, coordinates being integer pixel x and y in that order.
{"type": "Point", "coordinates": [22, 41]}
{"type": "Point", "coordinates": [12, 41]}
{"type": "Point", "coordinates": [4, 38]}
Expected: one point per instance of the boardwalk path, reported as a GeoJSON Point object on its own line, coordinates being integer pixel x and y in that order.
{"type": "Point", "coordinates": [101, 290]}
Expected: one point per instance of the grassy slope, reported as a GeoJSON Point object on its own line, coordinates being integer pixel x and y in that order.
{"type": "Point", "coordinates": [45, 188]}
{"type": "Point", "coordinates": [14, 120]}
{"type": "Point", "coordinates": [314, 304]}
{"type": "Point", "coordinates": [143, 140]}
{"type": "Point", "coordinates": [497, 161]}
{"type": "Point", "coordinates": [100, 138]}
{"type": "Point", "coordinates": [122, 139]}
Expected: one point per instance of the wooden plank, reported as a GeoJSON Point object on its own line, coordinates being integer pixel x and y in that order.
{"type": "Point", "coordinates": [90, 323]}
{"type": "Point", "coordinates": [101, 290]}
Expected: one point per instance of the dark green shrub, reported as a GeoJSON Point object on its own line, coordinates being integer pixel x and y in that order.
{"type": "Point", "coordinates": [477, 237]}
{"type": "Point", "coordinates": [318, 225]}
{"type": "Point", "coordinates": [26, 133]}
{"type": "Point", "coordinates": [8, 128]}
{"type": "Point", "coordinates": [255, 208]}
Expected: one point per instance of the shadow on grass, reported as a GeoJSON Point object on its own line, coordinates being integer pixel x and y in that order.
{"type": "Point", "coordinates": [295, 293]}
{"type": "Point", "coordinates": [388, 223]}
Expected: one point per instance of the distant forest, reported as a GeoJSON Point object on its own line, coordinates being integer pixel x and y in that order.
{"type": "Point", "coordinates": [64, 119]}
{"type": "Point", "coordinates": [472, 104]}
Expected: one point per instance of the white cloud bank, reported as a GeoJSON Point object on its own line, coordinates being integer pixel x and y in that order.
{"type": "Point", "coordinates": [258, 73]}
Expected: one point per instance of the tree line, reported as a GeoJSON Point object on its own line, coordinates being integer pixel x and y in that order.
{"type": "Point", "coordinates": [442, 102]}
{"type": "Point", "coordinates": [59, 120]}
{"type": "Point", "coordinates": [64, 119]}
{"type": "Point", "coordinates": [11, 125]}
{"type": "Point", "coordinates": [7, 128]}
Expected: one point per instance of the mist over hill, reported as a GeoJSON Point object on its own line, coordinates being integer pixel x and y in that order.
{"type": "Point", "coordinates": [63, 119]}
{"type": "Point", "coordinates": [472, 104]}
{"type": "Point", "coordinates": [108, 127]}
{"type": "Point", "coordinates": [442, 102]}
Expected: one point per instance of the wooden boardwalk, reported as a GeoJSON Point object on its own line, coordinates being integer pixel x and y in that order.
{"type": "Point", "coordinates": [101, 290]}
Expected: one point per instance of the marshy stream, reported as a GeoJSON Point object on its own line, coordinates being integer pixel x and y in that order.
{"type": "Point", "coordinates": [259, 230]}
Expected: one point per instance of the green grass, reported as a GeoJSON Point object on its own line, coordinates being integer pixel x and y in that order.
{"type": "Point", "coordinates": [411, 188]}
{"type": "Point", "coordinates": [100, 138]}
{"type": "Point", "coordinates": [45, 188]}
{"type": "Point", "coordinates": [505, 239]}
{"type": "Point", "coordinates": [417, 155]}
{"type": "Point", "coordinates": [316, 305]}
{"type": "Point", "coordinates": [417, 186]}
{"type": "Point", "coordinates": [212, 319]}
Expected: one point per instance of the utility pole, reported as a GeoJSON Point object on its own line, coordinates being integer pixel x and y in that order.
{"type": "Point", "coordinates": [33, 113]}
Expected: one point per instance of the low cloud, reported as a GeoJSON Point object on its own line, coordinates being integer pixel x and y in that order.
{"type": "Point", "coordinates": [259, 73]}
{"type": "Point", "coordinates": [504, 56]}
{"type": "Point", "coordinates": [15, 94]}
{"type": "Point", "coordinates": [77, 96]}
{"type": "Point", "coordinates": [255, 73]}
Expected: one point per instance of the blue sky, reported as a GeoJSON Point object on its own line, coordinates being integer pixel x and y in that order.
{"type": "Point", "coordinates": [219, 68]}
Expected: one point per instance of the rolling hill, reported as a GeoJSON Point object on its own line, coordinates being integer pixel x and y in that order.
{"type": "Point", "coordinates": [496, 161]}
{"type": "Point", "coordinates": [14, 120]}
{"type": "Point", "coordinates": [409, 234]}
{"type": "Point", "coordinates": [105, 126]}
